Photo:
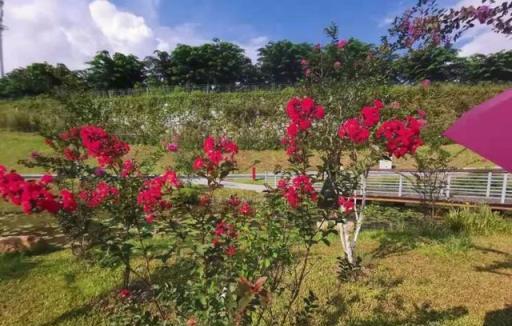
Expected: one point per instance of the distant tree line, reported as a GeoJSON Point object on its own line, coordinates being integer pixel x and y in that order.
{"type": "Point", "coordinates": [224, 63]}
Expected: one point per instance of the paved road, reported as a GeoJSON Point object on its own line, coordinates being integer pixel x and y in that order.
{"type": "Point", "coordinates": [233, 185]}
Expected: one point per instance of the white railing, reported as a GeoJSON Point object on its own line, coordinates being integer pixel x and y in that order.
{"type": "Point", "coordinates": [488, 186]}
{"type": "Point", "coordinates": [473, 186]}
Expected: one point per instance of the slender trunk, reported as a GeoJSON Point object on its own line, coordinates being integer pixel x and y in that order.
{"type": "Point", "coordinates": [126, 276]}
{"type": "Point", "coordinates": [359, 212]}
{"type": "Point", "coordinates": [345, 242]}
{"type": "Point", "coordinates": [297, 286]}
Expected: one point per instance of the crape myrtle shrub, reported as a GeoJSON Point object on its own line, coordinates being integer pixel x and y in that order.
{"type": "Point", "coordinates": [252, 119]}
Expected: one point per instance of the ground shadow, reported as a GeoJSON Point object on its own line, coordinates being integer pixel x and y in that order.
{"type": "Point", "coordinates": [502, 317]}
{"type": "Point", "coordinates": [388, 310]}
{"type": "Point", "coordinates": [398, 242]}
{"type": "Point", "coordinates": [71, 315]}
{"type": "Point", "coordinates": [381, 316]}
{"type": "Point", "coordinates": [15, 266]}
{"type": "Point", "coordinates": [498, 265]}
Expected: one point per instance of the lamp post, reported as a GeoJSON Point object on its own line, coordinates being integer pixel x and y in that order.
{"type": "Point", "coordinates": [2, 28]}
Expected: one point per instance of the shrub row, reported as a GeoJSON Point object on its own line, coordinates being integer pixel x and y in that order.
{"type": "Point", "coordinates": [254, 118]}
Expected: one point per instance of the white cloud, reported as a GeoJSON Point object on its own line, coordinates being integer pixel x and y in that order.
{"type": "Point", "coordinates": [71, 32]}
{"type": "Point", "coordinates": [482, 39]}
{"type": "Point", "coordinates": [251, 47]}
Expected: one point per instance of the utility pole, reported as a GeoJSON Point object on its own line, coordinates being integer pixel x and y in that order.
{"type": "Point", "coordinates": [2, 28]}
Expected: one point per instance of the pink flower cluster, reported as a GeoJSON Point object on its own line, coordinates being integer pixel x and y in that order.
{"type": "Point", "coordinates": [402, 137]}
{"type": "Point", "coordinates": [358, 129]}
{"type": "Point", "coordinates": [152, 196]}
{"type": "Point", "coordinates": [341, 44]}
{"type": "Point", "coordinates": [298, 189]}
{"type": "Point", "coordinates": [97, 196]}
{"type": "Point", "coordinates": [483, 13]}
{"type": "Point", "coordinates": [216, 151]}
{"type": "Point", "coordinates": [97, 142]}
{"type": "Point", "coordinates": [302, 113]}
{"type": "Point", "coordinates": [32, 196]}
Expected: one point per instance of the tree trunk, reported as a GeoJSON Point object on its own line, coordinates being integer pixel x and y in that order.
{"type": "Point", "coordinates": [126, 276]}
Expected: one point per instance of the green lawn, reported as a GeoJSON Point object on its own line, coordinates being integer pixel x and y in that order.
{"type": "Point", "coordinates": [412, 279]}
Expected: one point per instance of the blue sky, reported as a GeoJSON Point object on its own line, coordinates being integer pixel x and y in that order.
{"type": "Point", "coordinates": [278, 19]}
{"type": "Point", "coordinates": [73, 31]}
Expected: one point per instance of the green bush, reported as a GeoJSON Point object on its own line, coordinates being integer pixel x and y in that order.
{"type": "Point", "coordinates": [479, 220]}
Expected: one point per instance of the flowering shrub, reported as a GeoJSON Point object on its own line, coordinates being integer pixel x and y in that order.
{"type": "Point", "coordinates": [220, 255]}
{"type": "Point", "coordinates": [426, 24]}
{"type": "Point", "coordinates": [376, 132]}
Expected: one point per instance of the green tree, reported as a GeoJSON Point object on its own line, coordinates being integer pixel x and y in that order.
{"type": "Point", "coordinates": [158, 69]}
{"type": "Point", "coordinates": [118, 71]}
{"type": "Point", "coordinates": [433, 63]}
{"type": "Point", "coordinates": [280, 62]}
{"type": "Point", "coordinates": [38, 78]}
{"type": "Point", "coordinates": [493, 67]}
{"type": "Point", "coordinates": [211, 63]}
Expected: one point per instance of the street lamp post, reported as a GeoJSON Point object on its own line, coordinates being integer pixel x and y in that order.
{"type": "Point", "coordinates": [2, 28]}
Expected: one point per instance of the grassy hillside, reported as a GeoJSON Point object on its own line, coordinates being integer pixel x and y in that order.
{"type": "Point", "coordinates": [19, 145]}
{"type": "Point", "coordinates": [254, 119]}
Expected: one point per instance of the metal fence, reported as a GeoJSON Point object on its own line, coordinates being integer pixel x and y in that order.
{"type": "Point", "coordinates": [474, 186]}
{"type": "Point", "coordinates": [206, 88]}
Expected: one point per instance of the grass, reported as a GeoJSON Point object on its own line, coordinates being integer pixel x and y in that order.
{"type": "Point", "coordinates": [414, 278]}
{"type": "Point", "coordinates": [52, 289]}
{"type": "Point", "coordinates": [15, 146]}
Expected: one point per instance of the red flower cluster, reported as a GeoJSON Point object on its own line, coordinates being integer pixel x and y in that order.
{"type": "Point", "coordinates": [402, 137]}
{"type": "Point", "coordinates": [124, 293]}
{"type": "Point", "coordinates": [233, 201]}
{"type": "Point", "coordinates": [204, 200]}
{"type": "Point", "coordinates": [225, 231]}
{"type": "Point", "coordinates": [127, 168]}
{"type": "Point", "coordinates": [354, 130]}
{"type": "Point", "coordinates": [97, 142]}
{"type": "Point", "coordinates": [358, 129]}
{"type": "Point", "coordinates": [102, 146]}
{"type": "Point", "coordinates": [297, 190]}
{"type": "Point", "coordinates": [346, 204]}
{"type": "Point", "coordinates": [68, 201]}
{"type": "Point", "coordinates": [245, 209]}
{"type": "Point", "coordinates": [215, 151]}
{"type": "Point", "coordinates": [302, 113]}
{"type": "Point", "coordinates": [30, 195]}
{"type": "Point", "coordinates": [151, 197]}
{"type": "Point", "coordinates": [99, 195]}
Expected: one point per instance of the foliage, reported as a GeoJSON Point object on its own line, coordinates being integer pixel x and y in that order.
{"type": "Point", "coordinates": [117, 71]}
{"type": "Point", "coordinates": [432, 63]}
{"type": "Point", "coordinates": [475, 221]}
{"type": "Point", "coordinates": [493, 67]}
{"type": "Point", "coordinates": [37, 79]}
{"type": "Point", "coordinates": [211, 63]}
{"type": "Point", "coordinates": [280, 62]}
{"type": "Point", "coordinates": [158, 69]}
